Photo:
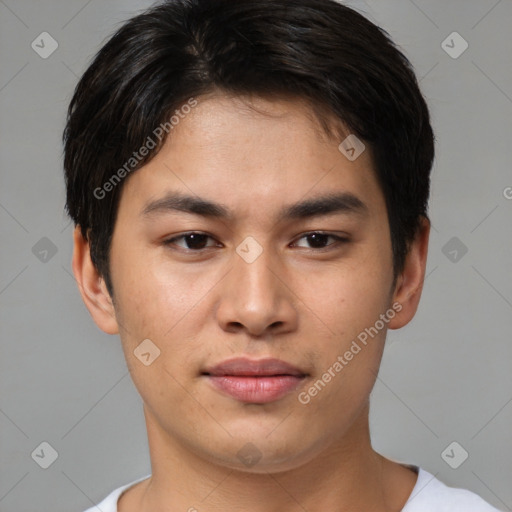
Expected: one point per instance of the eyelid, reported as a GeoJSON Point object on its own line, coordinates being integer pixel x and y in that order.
{"type": "Point", "coordinates": [340, 239]}
{"type": "Point", "coordinates": [170, 241]}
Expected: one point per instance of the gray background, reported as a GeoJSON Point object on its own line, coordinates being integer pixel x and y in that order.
{"type": "Point", "coordinates": [445, 377]}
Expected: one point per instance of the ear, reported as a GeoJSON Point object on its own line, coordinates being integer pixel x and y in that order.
{"type": "Point", "coordinates": [92, 286]}
{"type": "Point", "coordinates": [409, 284]}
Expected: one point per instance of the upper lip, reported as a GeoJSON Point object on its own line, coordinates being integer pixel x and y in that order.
{"type": "Point", "coordinates": [254, 367]}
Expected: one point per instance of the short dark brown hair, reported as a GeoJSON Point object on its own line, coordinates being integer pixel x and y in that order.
{"type": "Point", "coordinates": [317, 50]}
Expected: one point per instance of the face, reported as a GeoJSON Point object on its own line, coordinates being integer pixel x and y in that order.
{"type": "Point", "coordinates": [257, 279]}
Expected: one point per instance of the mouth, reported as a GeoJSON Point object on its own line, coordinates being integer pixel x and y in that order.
{"type": "Point", "coordinates": [255, 381]}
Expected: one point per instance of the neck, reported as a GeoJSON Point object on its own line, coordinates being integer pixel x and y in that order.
{"type": "Point", "coordinates": [346, 475]}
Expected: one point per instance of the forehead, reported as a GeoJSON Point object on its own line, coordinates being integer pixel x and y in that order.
{"type": "Point", "coordinates": [250, 154]}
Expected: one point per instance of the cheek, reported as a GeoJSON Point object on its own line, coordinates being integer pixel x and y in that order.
{"type": "Point", "coordinates": [346, 298]}
{"type": "Point", "coordinates": [163, 303]}
{"type": "Point", "coordinates": [351, 303]}
{"type": "Point", "coordinates": [162, 311]}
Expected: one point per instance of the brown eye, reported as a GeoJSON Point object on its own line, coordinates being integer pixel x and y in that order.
{"type": "Point", "coordinates": [319, 240]}
{"type": "Point", "coordinates": [192, 241]}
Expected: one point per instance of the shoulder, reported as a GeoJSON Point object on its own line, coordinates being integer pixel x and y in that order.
{"type": "Point", "coordinates": [109, 503]}
{"type": "Point", "coordinates": [430, 494]}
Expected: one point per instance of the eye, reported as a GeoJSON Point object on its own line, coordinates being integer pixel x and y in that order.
{"type": "Point", "coordinates": [318, 239]}
{"type": "Point", "coordinates": [196, 241]}
{"type": "Point", "coordinates": [193, 241]}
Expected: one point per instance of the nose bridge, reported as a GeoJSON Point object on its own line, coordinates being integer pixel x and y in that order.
{"type": "Point", "coordinates": [253, 273]}
{"type": "Point", "coordinates": [253, 294]}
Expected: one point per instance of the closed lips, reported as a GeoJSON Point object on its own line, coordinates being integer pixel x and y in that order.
{"type": "Point", "coordinates": [244, 367]}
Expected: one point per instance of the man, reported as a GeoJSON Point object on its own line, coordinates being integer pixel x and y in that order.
{"type": "Point", "coordinates": [249, 182]}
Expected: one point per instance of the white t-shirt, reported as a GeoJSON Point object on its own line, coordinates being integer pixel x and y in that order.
{"type": "Point", "coordinates": [429, 495]}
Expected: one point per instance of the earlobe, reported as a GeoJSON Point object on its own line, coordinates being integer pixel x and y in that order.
{"type": "Point", "coordinates": [92, 286]}
{"type": "Point", "coordinates": [410, 282]}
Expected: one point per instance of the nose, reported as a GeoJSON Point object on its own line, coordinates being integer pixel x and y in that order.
{"type": "Point", "coordinates": [257, 297]}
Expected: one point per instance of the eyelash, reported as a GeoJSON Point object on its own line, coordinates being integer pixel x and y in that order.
{"type": "Point", "coordinates": [339, 240]}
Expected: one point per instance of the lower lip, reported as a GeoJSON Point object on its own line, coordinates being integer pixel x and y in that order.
{"type": "Point", "coordinates": [256, 390]}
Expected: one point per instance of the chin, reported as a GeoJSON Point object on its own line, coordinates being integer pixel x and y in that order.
{"type": "Point", "coordinates": [261, 454]}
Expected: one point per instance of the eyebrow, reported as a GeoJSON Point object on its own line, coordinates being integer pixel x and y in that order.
{"type": "Point", "coordinates": [344, 203]}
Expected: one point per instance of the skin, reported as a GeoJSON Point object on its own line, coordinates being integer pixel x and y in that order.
{"type": "Point", "coordinates": [295, 302]}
